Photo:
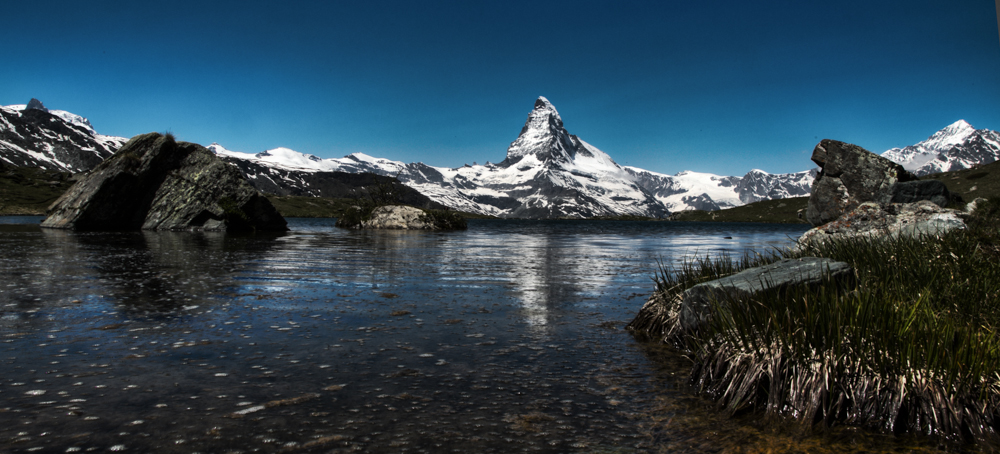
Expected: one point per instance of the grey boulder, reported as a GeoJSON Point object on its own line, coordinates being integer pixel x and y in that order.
{"type": "Point", "coordinates": [849, 176]}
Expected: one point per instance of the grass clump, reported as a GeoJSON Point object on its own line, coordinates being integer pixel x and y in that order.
{"type": "Point", "coordinates": [911, 345]}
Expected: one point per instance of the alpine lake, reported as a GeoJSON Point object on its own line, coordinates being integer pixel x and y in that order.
{"type": "Point", "coordinates": [507, 337]}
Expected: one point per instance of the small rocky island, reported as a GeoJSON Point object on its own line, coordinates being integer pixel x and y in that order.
{"type": "Point", "coordinates": [154, 182]}
{"type": "Point", "coordinates": [400, 217]}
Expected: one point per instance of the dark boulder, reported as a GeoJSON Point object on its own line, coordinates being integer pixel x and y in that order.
{"type": "Point", "coordinates": [850, 176]}
{"type": "Point", "coordinates": [696, 305]}
{"type": "Point", "coordinates": [156, 183]}
{"type": "Point", "coordinates": [915, 191]}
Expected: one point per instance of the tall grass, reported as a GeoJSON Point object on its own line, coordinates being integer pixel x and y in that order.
{"type": "Point", "coordinates": [911, 346]}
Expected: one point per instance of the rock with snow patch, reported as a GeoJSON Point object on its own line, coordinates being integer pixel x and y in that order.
{"type": "Point", "coordinates": [156, 183]}
{"type": "Point", "coordinates": [849, 176]}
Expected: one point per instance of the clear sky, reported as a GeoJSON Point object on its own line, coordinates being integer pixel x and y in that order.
{"type": "Point", "coordinates": [710, 86]}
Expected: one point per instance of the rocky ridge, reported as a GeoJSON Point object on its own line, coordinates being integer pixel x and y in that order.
{"type": "Point", "coordinates": [52, 139]}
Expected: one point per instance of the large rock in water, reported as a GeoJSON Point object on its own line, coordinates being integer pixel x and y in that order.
{"type": "Point", "coordinates": [155, 183]}
{"type": "Point", "coordinates": [850, 176]}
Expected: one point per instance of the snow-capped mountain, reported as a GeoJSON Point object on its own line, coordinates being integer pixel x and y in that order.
{"type": "Point", "coordinates": [546, 173]}
{"type": "Point", "coordinates": [705, 191]}
{"type": "Point", "coordinates": [956, 147]}
{"type": "Point", "coordinates": [33, 136]}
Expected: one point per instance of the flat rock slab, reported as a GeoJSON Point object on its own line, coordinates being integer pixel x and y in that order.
{"type": "Point", "coordinates": [696, 306]}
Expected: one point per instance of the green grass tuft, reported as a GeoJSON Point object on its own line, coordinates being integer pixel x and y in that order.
{"type": "Point", "coordinates": [911, 345]}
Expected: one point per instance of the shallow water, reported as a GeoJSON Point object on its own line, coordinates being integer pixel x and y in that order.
{"type": "Point", "coordinates": [504, 338]}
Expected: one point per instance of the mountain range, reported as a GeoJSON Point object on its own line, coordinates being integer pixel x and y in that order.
{"type": "Point", "coordinates": [546, 173]}
{"type": "Point", "coordinates": [959, 146]}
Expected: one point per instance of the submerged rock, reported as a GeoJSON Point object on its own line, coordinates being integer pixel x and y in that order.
{"type": "Point", "coordinates": [156, 183]}
{"type": "Point", "coordinates": [696, 303]}
{"type": "Point", "coordinates": [849, 176]}
{"type": "Point", "coordinates": [894, 219]}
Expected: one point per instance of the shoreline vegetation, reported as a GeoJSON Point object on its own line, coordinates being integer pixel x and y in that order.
{"type": "Point", "coordinates": [910, 345]}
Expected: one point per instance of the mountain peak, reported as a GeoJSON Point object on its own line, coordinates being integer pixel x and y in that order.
{"type": "Point", "coordinates": [35, 104]}
{"type": "Point", "coordinates": [542, 136]}
{"type": "Point", "coordinates": [543, 116]}
{"type": "Point", "coordinates": [951, 135]}
{"type": "Point", "coordinates": [543, 103]}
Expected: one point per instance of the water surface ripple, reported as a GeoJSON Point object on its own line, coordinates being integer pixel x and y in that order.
{"type": "Point", "coordinates": [503, 338]}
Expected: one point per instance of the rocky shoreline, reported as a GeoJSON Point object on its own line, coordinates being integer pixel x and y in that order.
{"type": "Point", "coordinates": [866, 321]}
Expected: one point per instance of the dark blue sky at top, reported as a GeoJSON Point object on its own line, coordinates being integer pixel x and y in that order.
{"type": "Point", "coordinates": [713, 86]}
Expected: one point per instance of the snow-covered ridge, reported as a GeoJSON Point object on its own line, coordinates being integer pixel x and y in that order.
{"type": "Point", "coordinates": [52, 139]}
{"type": "Point", "coordinates": [70, 117]}
{"type": "Point", "coordinates": [958, 146]}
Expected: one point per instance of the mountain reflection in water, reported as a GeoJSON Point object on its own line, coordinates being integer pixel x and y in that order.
{"type": "Point", "coordinates": [506, 337]}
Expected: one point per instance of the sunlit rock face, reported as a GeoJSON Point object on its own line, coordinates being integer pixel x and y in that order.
{"type": "Point", "coordinates": [155, 183]}
{"type": "Point", "coordinates": [849, 176]}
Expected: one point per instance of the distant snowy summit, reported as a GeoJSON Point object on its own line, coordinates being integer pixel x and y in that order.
{"type": "Point", "coordinates": [546, 173]}
{"type": "Point", "coordinates": [956, 147]}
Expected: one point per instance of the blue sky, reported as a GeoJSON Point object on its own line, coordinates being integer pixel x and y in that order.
{"type": "Point", "coordinates": [712, 86]}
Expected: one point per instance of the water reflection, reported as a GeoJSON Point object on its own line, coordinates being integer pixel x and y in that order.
{"type": "Point", "coordinates": [498, 339]}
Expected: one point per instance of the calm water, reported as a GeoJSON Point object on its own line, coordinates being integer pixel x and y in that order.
{"type": "Point", "coordinates": [507, 337]}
